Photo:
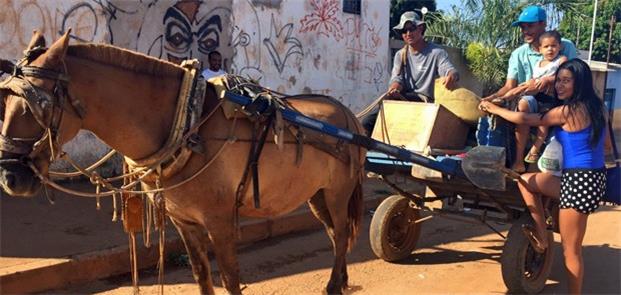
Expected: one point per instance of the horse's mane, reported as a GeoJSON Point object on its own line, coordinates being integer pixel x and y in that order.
{"type": "Point", "coordinates": [125, 59]}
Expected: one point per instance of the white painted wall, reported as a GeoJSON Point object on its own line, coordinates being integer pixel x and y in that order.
{"type": "Point", "coordinates": [298, 46]}
{"type": "Point", "coordinates": [293, 46]}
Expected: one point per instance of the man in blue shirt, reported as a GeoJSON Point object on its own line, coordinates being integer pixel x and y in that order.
{"type": "Point", "coordinates": [532, 23]}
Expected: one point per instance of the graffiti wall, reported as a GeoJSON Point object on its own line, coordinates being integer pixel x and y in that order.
{"type": "Point", "coordinates": [292, 46]}
{"type": "Point", "coordinates": [309, 46]}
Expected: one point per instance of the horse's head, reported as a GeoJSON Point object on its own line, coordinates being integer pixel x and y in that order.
{"type": "Point", "coordinates": [33, 106]}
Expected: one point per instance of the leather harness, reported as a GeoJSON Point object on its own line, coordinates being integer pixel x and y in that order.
{"type": "Point", "coordinates": [47, 108]}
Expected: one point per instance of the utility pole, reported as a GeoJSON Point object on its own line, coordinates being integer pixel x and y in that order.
{"type": "Point", "coordinates": [578, 36]}
{"type": "Point", "coordinates": [611, 28]}
{"type": "Point", "coordinates": [592, 31]}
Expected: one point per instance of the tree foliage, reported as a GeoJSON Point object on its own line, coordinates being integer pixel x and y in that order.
{"type": "Point", "coordinates": [577, 27]}
{"type": "Point", "coordinates": [398, 7]}
{"type": "Point", "coordinates": [482, 29]}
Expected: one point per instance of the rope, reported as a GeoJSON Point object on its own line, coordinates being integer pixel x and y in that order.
{"type": "Point", "coordinates": [133, 259]}
{"type": "Point", "coordinates": [162, 242]}
{"type": "Point", "coordinates": [371, 106]}
{"type": "Point", "coordinates": [148, 224]}
{"type": "Point", "coordinates": [94, 166]}
{"type": "Point", "coordinates": [126, 188]}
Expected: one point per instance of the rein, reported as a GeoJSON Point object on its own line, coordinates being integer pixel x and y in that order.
{"type": "Point", "coordinates": [105, 182]}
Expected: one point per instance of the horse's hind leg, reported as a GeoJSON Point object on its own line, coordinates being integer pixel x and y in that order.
{"type": "Point", "coordinates": [332, 212]}
{"type": "Point", "coordinates": [195, 241]}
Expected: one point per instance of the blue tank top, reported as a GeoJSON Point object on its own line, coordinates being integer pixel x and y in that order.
{"type": "Point", "coordinates": [577, 149]}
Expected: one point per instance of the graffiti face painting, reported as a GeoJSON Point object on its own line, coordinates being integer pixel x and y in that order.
{"type": "Point", "coordinates": [185, 36]}
{"type": "Point", "coordinates": [191, 29]}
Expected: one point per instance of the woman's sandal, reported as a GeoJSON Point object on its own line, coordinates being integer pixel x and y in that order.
{"type": "Point", "coordinates": [529, 232]}
{"type": "Point", "coordinates": [531, 158]}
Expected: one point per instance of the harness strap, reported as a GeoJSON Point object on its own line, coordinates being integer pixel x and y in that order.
{"type": "Point", "coordinates": [19, 146]}
{"type": "Point", "coordinates": [252, 164]}
{"type": "Point", "coordinates": [188, 112]}
{"type": "Point", "coordinates": [404, 60]}
{"type": "Point", "coordinates": [38, 72]}
{"type": "Point", "coordinates": [37, 98]}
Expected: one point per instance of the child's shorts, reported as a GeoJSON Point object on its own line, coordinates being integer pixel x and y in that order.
{"type": "Point", "coordinates": [541, 103]}
{"type": "Point", "coordinates": [533, 106]}
{"type": "Point", "coordinates": [582, 189]}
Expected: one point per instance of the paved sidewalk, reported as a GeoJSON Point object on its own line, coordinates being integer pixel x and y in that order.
{"type": "Point", "coordinates": [45, 246]}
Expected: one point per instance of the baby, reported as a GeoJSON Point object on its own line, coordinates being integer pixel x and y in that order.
{"type": "Point", "coordinates": [550, 47]}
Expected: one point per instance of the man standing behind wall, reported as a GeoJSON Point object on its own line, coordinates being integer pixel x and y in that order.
{"type": "Point", "coordinates": [416, 67]}
{"type": "Point", "coordinates": [214, 68]}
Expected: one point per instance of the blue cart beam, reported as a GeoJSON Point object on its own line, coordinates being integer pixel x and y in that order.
{"type": "Point", "coordinates": [261, 105]}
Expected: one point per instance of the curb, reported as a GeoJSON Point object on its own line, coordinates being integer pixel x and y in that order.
{"type": "Point", "coordinates": [99, 264]}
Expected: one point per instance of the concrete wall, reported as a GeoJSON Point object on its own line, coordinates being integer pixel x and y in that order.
{"type": "Point", "coordinates": [293, 46]}
{"type": "Point", "coordinates": [311, 46]}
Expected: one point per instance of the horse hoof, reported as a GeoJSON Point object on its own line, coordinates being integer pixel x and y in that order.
{"type": "Point", "coordinates": [332, 290]}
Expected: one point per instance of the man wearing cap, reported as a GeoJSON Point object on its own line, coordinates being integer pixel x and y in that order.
{"type": "Point", "coordinates": [532, 23]}
{"type": "Point", "coordinates": [416, 66]}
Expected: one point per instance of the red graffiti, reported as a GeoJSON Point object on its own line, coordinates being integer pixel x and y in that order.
{"type": "Point", "coordinates": [323, 19]}
{"type": "Point", "coordinates": [362, 37]}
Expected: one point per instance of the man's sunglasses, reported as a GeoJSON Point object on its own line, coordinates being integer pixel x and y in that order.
{"type": "Point", "coordinates": [410, 29]}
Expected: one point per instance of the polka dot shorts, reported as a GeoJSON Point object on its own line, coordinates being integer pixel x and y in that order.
{"type": "Point", "coordinates": [582, 189]}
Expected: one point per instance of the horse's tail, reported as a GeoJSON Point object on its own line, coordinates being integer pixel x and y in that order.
{"type": "Point", "coordinates": [355, 212]}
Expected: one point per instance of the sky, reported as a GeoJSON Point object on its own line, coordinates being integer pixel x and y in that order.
{"type": "Point", "coordinates": [446, 4]}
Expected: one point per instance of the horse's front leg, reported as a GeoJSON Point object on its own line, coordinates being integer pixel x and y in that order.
{"type": "Point", "coordinates": [223, 238]}
{"type": "Point", "coordinates": [195, 240]}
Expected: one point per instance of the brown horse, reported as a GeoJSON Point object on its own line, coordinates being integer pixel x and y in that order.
{"type": "Point", "coordinates": [129, 101]}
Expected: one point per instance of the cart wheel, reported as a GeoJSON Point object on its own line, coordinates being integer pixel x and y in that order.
{"type": "Point", "coordinates": [393, 233]}
{"type": "Point", "coordinates": [523, 269]}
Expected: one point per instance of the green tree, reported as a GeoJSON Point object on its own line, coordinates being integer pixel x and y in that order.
{"type": "Point", "coordinates": [577, 27]}
{"type": "Point", "coordinates": [482, 29]}
{"type": "Point", "coordinates": [398, 7]}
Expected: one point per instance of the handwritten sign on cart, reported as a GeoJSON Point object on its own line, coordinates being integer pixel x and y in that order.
{"type": "Point", "coordinates": [417, 125]}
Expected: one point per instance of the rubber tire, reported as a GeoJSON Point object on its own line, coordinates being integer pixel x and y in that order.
{"type": "Point", "coordinates": [518, 256]}
{"type": "Point", "coordinates": [391, 239]}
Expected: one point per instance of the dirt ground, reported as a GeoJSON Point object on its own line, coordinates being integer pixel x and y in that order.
{"type": "Point", "coordinates": [451, 257]}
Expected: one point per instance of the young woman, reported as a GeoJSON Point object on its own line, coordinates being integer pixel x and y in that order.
{"type": "Point", "coordinates": [581, 131]}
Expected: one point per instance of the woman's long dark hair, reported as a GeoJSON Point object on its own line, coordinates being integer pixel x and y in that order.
{"type": "Point", "coordinates": [584, 94]}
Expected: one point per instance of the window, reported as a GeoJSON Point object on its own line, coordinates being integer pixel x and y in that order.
{"type": "Point", "coordinates": [351, 6]}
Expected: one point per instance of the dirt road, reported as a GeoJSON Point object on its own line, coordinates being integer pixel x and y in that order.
{"type": "Point", "coordinates": [451, 257]}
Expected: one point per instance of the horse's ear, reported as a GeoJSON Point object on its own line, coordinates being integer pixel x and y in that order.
{"type": "Point", "coordinates": [36, 40]}
{"type": "Point", "coordinates": [6, 66]}
{"type": "Point", "coordinates": [56, 54]}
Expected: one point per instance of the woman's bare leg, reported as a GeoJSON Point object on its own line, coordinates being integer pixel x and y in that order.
{"type": "Point", "coordinates": [538, 184]}
{"type": "Point", "coordinates": [573, 228]}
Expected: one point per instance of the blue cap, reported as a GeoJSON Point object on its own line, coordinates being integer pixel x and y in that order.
{"type": "Point", "coordinates": [531, 14]}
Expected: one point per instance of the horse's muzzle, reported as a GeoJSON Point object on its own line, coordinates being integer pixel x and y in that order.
{"type": "Point", "coordinates": [18, 180]}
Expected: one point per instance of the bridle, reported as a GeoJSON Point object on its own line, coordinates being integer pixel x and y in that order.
{"type": "Point", "coordinates": [46, 107]}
